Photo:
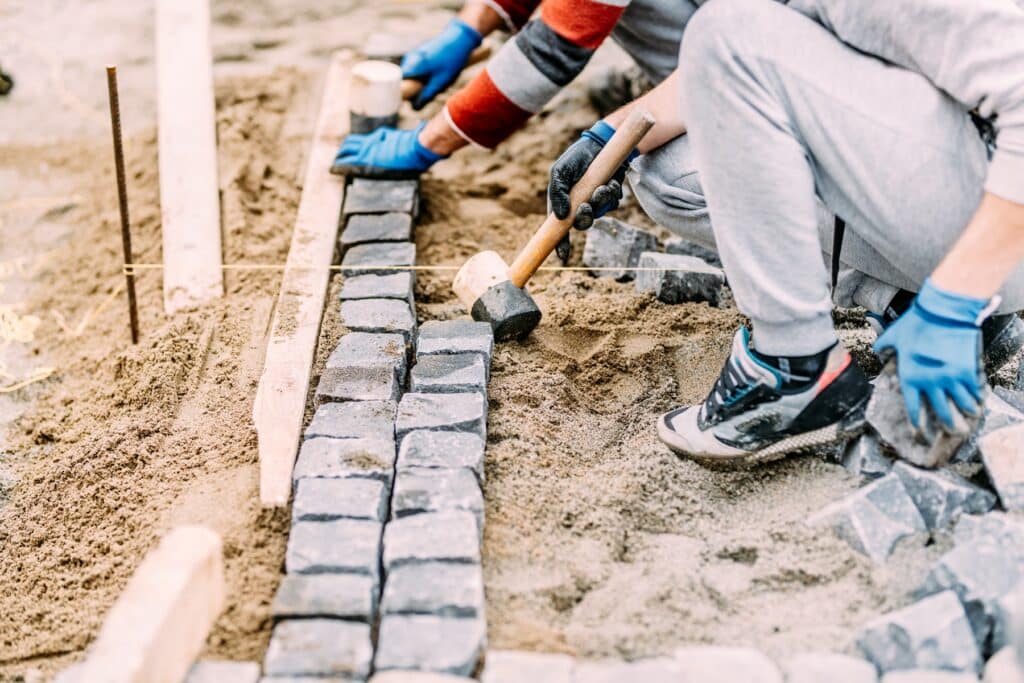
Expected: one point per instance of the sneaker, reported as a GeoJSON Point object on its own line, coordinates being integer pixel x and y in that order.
{"type": "Point", "coordinates": [1002, 336]}
{"type": "Point", "coordinates": [748, 418]}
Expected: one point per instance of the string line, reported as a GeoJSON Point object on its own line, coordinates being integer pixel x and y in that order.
{"type": "Point", "coordinates": [133, 268]}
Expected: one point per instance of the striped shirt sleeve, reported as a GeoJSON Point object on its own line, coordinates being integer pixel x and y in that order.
{"type": "Point", "coordinates": [530, 69]}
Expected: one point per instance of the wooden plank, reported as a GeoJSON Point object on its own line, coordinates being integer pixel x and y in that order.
{"type": "Point", "coordinates": [281, 396]}
{"type": "Point", "coordinates": [187, 138]}
{"type": "Point", "coordinates": [159, 624]}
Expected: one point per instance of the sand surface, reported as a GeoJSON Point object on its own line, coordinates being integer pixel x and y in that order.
{"type": "Point", "coordinates": [598, 541]}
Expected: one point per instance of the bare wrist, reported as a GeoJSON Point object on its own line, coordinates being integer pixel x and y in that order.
{"type": "Point", "coordinates": [481, 17]}
{"type": "Point", "coordinates": [439, 137]}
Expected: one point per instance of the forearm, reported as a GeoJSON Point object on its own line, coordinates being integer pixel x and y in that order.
{"type": "Point", "coordinates": [987, 252]}
{"type": "Point", "coordinates": [439, 137]}
{"type": "Point", "coordinates": [665, 104]}
{"type": "Point", "coordinates": [481, 17]}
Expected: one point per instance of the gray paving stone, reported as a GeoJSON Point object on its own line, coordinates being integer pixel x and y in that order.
{"type": "Point", "coordinates": [612, 244]}
{"type": "Point", "coordinates": [212, 671]}
{"type": "Point", "coordinates": [1005, 528]}
{"type": "Point", "coordinates": [933, 633]}
{"type": "Point", "coordinates": [678, 279]}
{"type": "Point", "coordinates": [392, 286]}
{"type": "Point", "coordinates": [819, 667]}
{"type": "Point", "coordinates": [466, 412]}
{"type": "Point", "coordinates": [979, 572]}
{"type": "Point", "coordinates": [929, 676]}
{"type": "Point", "coordinates": [383, 227]}
{"type": "Point", "coordinates": [354, 420]}
{"type": "Point", "coordinates": [449, 374]}
{"type": "Point", "coordinates": [1012, 397]}
{"type": "Point", "coordinates": [456, 336]}
{"type": "Point", "coordinates": [1008, 621]}
{"type": "Point", "coordinates": [997, 414]}
{"type": "Point", "coordinates": [510, 666]}
{"type": "Point", "coordinates": [339, 596]}
{"type": "Point", "coordinates": [319, 647]}
{"type": "Point", "coordinates": [712, 664]}
{"type": "Point", "coordinates": [321, 499]}
{"type": "Point", "coordinates": [873, 519]}
{"type": "Point", "coordinates": [378, 258]}
{"type": "Point", "coordinates": [887, 414]}
{"type": "Point", "coordinates": [309, 679]}
{"type": "Point", "coordinates": [379, 315]}
{"type": "Point", "coordinates": [1001, 455]}
{"type": "Point", "coordinates": [429, 643]}
{"type": "Point", "coordinates": [382, 196]}
{"type": "Point", "coordinates": [653, 670]}
{"type": "Point", "coordinates": [345, 458]}
{"type": "Point", "coordinates": [863, 457]}
{"type": "Point", "coordinates": [1004, 667]}
{"type": "Point", "coordinates": [432, 537]}
{"type": "Point", "coordinates": [941, 496]}
{"type": "Point", "coordinates": [681, 247]}
{"type": "Point", "coordinates": [343, 546]}
{"type": "Point", "coordinates": [418, 677]}
{"type": "Point", "coordinates": [436, 490]}
{"type": "Point", "coordinates": [442, 450]}
{"type": "Point", "coordinates": [440, 588]}
{"type": "Point", "coordinates": [367, 348]}
{"type": "Point", "coordinates": [358, 383]}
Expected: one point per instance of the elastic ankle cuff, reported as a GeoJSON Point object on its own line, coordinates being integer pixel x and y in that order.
{"type": "Point", "coordinates": [794, 338]}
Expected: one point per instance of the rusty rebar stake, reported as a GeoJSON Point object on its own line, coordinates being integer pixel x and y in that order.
{"type": "Point", "coordinates": [122, 196]}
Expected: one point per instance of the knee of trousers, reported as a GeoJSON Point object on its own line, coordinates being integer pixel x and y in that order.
{"type": "Point", "coordinates": [674, 200]}
{"type": "Point", "coordinates": [720, 34]}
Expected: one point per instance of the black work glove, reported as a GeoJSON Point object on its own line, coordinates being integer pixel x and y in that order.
{"type": "Point", "coordinates": [568, 170]}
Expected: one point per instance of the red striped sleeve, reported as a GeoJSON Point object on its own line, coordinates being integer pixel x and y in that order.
{"type": "Point", "coordinates": [481, 113]}
{"type": "Point", "coordinates": [586, 23]}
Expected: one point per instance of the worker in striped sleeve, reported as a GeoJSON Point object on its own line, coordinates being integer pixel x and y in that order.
{"type": "Point", "coordinates": [545, 56]}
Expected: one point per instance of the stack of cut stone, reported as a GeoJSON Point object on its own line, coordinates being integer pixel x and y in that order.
{"type": "Point", "coordinates": [976, 590]}
{"type": "Point", "coordinates": [326, 609]}
{"type": "Point", "coordinates": [433, 599]}
{"type": "Point", "coordinates": [685, 272]}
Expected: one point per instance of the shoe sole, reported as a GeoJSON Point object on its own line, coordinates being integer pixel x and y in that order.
{"type": "Point", "coordinates": [852, 425]}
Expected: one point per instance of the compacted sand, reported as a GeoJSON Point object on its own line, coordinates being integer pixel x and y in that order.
{"type": "Point", "coordinates": [598, 541]}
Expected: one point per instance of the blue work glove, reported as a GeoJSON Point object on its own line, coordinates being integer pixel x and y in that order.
{"type": "Point", "coordinates": [384, 153]}
{"type": "Point", "coordinates": [568, 171]}
{"type": "Point", "coordinates": [440, 60]}
{"type": "Point", "coordinates": [937, 343]}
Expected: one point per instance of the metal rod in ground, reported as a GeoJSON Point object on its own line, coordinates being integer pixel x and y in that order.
{"type": "Point", "coordinates": [122, 196]}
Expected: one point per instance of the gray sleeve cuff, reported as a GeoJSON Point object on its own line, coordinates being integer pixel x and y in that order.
{"type": "Point", "coordinates": [1006, 176]}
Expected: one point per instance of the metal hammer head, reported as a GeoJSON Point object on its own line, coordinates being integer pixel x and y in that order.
{"type": "Point", "coordinates": [484, 288]}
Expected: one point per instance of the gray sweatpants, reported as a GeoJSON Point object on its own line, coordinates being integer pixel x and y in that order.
{"type": "Point", "coordinates": [650, 32]}
{"type": "Point", "coordinates": [783, 116]}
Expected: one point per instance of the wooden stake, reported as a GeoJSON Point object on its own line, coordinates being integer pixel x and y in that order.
{"type": "Point", "coordinates": [281, 397]}
{"type": "Point", "coordinates": [187, 142]}
{"type": "Point", "coordinates": [122, 197]}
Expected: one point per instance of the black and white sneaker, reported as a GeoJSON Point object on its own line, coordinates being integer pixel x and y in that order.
{"type": "Point", "coordinates": [749, 417]}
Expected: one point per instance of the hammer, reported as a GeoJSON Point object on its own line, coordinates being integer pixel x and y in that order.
{"type": "Point", "coordinates": [377, 90]}
{"type": "Point", "coordinates": [492, 291]}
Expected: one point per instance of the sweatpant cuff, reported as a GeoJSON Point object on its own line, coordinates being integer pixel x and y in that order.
{"type": "Point", "coordinates": [794, 338]}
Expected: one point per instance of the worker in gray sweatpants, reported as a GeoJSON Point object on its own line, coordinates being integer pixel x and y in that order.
{"type": "Point", "coordinates": [906, 119]}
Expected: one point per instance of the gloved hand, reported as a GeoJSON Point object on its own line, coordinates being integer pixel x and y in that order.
{"type": "Point", "coordinates": [440, 60]}
{"type": "Point", "coordinates": [384, 153]}
{"type": "Point", "coordinates": [571, 166]}
{"type": "Point", "coordinates": [937, 343]}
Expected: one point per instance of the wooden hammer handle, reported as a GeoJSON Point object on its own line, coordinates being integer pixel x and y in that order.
{"type": "Point", "coordinates": [601, 169]}
{"type": "Point", "coordinates": [411, 87]}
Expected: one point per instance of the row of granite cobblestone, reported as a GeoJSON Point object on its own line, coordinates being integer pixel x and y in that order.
{"type": "Point", "coordinates": [382, 568]}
